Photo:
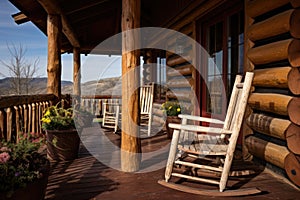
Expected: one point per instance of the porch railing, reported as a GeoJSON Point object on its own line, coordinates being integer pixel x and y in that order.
{"type": "Point", "coordinates": [23, 113]}
{"type": "Point", "coordinates": [94, 103]}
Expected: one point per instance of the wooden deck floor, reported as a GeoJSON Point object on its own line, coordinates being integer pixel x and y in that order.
{"type": "Point", "coordinates": [88, 178]}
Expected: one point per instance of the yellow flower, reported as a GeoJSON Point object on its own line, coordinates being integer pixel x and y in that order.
{"type": "Point", "coordinates": [178, 109]}
{"type": "Point", "coordinates": [46, 120]}
{"type": "Point", "coordinates": [170, 107]}
{"type": "Point", "coordinates": [47, 113]}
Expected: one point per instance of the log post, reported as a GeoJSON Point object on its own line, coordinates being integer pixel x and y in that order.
{"type": "Point", "coordinates": [130, 140]}
{"type": "Point", "coordinates": [76, 76]}
{"type": "Point", "coordinates": [54, 57]}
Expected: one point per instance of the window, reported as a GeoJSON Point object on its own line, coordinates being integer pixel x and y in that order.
{"type": "Point", "coordinates": [223, 39]}
{"type": "Point", "coordinates": [161, 76]}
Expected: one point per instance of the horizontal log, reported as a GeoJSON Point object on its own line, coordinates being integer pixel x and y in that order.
{"type": "Point", "coordinates": [292, 168]}
{"type": "Point", "coordinates": [270, 102]}
{"type": "Point", "coordinates": [9, 101]}
{"type": "Point", "coordinates": [276, 51]}
{"type": "Point", "coordinates": [274, 127]}
{"type": "Point", "coordinates": [180, 83]}
{"type": "Point", "coordinates": [267, 151]}
{"type": "Point", "coordinates": [180, 95]}
{"type": "Point", "coordinates": [183, 70]}
{"type": "Point", "coordinates": [287, 21]}
{"type": "Point", "coordinates": [255, 8]}
{"type": "Point", "coordinates": [294, 80]}
{"type": "Point", "coordinates": [271, 77]}
{"type": "Point", "coordinates": [294, 110]}
{"type": "Point", "coordinates": [293, 138]}
{"type": "Point", "coordinates": [178, 60]}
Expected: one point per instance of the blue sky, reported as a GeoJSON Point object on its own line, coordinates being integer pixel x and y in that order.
{"type": "Point", "coordinates": [35, 42]}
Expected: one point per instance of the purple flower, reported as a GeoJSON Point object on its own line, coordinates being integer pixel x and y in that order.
{"type": "Point", "coordinates": [17, 174]}
{"type": "Point", "coordinates": [4, 157]}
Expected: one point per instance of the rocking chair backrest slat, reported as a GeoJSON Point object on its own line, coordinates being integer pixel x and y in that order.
{"type": "Point", "coordinates": [232, 103]}
{"type": "Point", "coordinates": [146, 98]}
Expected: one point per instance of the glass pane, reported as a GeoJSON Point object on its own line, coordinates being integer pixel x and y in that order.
{"type": "Point", "coordinates": [215, 69]}
{"type": "Point", "coordinates": [235, 42]}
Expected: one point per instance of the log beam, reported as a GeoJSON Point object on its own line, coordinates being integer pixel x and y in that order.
{"type": "Point", "coordinates": [276, 51]}
{"type": "Point", "coordinates": [271, 77]}
{"type": "Point", "coordinates": [258, 7]}
{"type": "Point", "coordinates": [294, 80]}
{"type": "Point", "coordinates": [271, 126]}
{"type": "Point", "coordinates": [267, 151]}
{"type": "Point", "coordinates": [276, 103]}
{"type": "Point", "coordinates": [53, 8]}
{"type": "Point", "coordinates": [292, 168]}
{"type": "Point", "coordinates": [54, 56]}
{"type": "Point", "coordinates": [287, 21]}
{"type": "Point", "coordinates": [293, 138]}
{"type": "Point", "coordinates": [130, 140]}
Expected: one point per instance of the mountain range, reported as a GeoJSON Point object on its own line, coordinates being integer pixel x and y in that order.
{"type": "Point", "coordinates": [105, 86]}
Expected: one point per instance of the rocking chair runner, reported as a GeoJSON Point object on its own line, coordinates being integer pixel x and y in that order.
{"type": "Point", "coordinates": [217, 143]}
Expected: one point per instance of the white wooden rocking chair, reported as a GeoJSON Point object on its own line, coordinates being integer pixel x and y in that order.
{"type": "Point", "coordinates": [146, 102]}
{"type": "Point", "coordinates": [111, 114]}
{"type": "Point", "coordinates": [216, 143]}
{"type": "Point", "coordinates": [112, 110]}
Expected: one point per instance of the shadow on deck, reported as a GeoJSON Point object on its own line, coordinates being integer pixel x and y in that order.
{"type": "Point", "coordinates": [88, 178]}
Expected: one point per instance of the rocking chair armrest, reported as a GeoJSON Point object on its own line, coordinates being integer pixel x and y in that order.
{"type": "Point", "coordinates": [196, 128]}
{"type": "Point", "coordinates": [201, 119]}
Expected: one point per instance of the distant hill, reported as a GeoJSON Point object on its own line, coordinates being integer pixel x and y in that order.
{"type": "Point", "coordinates": [106, 86]}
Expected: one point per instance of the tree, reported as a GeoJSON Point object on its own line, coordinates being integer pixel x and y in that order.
{"type": "Point", "coordinates": [21, 71]}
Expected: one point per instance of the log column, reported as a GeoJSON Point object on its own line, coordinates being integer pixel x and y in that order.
{"type": "Point", "coordinates": [76, 76]}
{"type": "Point", "coordinates": [130, 141]}
{"type": "Point", "coordinates": [54, 29]}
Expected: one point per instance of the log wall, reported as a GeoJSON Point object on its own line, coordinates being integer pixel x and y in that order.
{"type": "Point", "coordinates": [180, 70]}
{"type": "Point", "coordinates": [272, 46]}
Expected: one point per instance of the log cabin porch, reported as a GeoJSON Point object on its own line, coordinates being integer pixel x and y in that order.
{"type": "Point", "coordinates": [87, 178]}
{"type": "Point", "coordinates": [270, 47]}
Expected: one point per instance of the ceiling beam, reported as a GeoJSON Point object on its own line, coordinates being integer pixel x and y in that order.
{"type": "Point", "coordinates": [53, 8]}
{"type": "Point", "coordinates": [20, 18]}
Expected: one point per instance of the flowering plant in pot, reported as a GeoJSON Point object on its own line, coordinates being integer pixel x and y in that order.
{"type": "Point", "coordinates": [171, 109]}
{"type": "Point", "coordinates": [62, 137]}
{"type": "Point", "coordinates": [23, 167]}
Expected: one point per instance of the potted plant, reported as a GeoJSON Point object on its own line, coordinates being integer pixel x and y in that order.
{"type": "Point", "coordinates": [62, 137]}
{"type": "Point", "coordinates": [171, 109]}
{"type": "Point", "coordinates": [24, 168]}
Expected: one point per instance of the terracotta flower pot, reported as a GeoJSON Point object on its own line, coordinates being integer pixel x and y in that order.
{"type": "Point", "coordinates": [171, 119]}
{"type": "Point", "coordinates": [62, 144]}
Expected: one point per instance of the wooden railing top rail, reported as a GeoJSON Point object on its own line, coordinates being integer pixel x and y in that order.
{"type": "Point", "coordinates": [8, 101]}
{"type": "Point", "coordinates": [101, 97]}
